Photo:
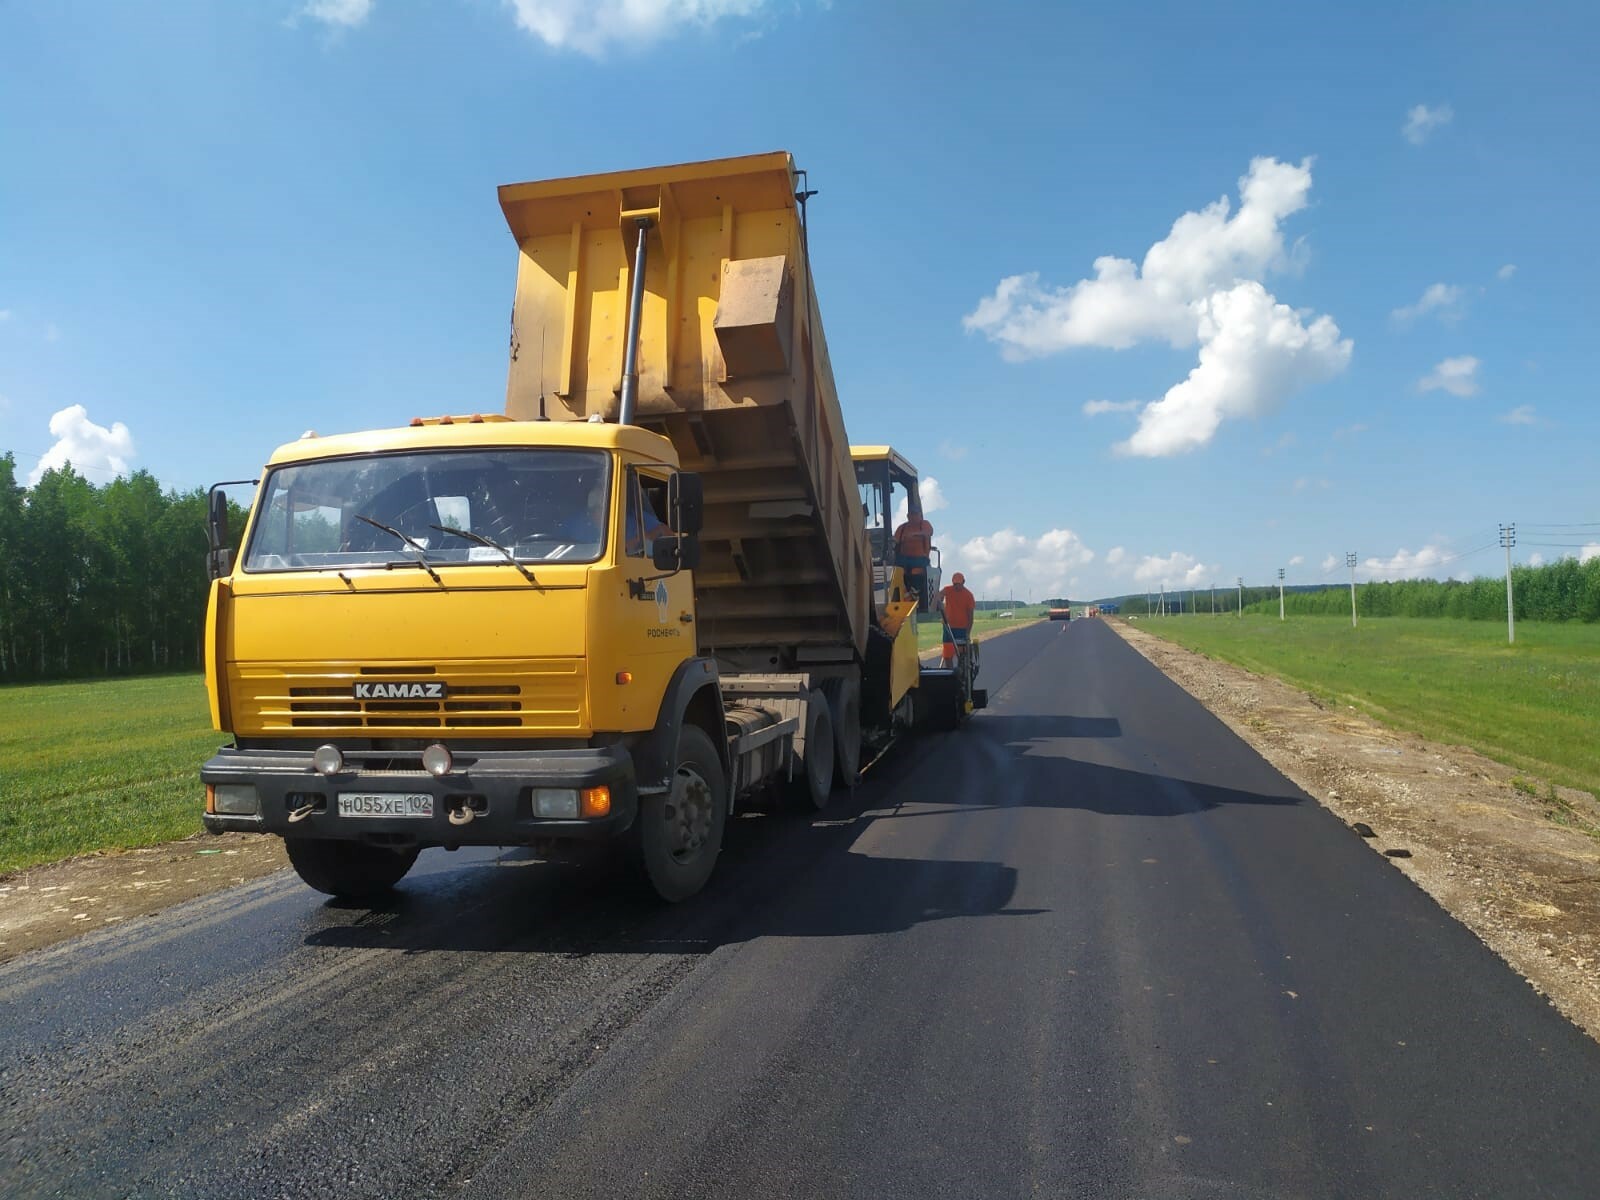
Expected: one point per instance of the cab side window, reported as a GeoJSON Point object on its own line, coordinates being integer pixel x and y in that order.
{"type": "Point", "coordinates": [646, 503]}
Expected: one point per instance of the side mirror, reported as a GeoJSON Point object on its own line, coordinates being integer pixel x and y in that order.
{"type": "Point", "coordinates": [680, 553]}
{"type": "Point", "coordinates": [687, 499]}
{"type": "Point", "coordinates": [219, 559]}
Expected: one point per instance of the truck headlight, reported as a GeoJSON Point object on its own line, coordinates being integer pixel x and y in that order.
{"type": "Point", "coordinates": [237, 799]}
{"type": "Point", "coordinates": [327, 760]}
{"type": "Point", "coordinates": [556, 803]}
{"type": "Point", "coordinates": [437, 761]}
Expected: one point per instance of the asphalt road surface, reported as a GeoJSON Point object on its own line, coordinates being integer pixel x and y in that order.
{"type": "Point", "coordinates": [1090, 945]}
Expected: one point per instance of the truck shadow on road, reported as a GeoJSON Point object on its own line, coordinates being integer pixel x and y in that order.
{"type": "Point", "coordinates": [779, 876]}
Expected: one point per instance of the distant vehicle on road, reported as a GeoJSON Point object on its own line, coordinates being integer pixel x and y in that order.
{"type": "Point", "coordinates": [1006, 616]}
{"type": "Point", "coordinates": [1063, 613]}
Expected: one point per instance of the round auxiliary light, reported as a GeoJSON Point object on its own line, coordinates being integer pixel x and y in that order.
{"type": "Point", "coordinates": [437, 761]}
{"type": "Point", "coordinates": [327, 760]}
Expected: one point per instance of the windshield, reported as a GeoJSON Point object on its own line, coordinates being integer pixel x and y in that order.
{"type": "Point", "coordinates": [438, 507]}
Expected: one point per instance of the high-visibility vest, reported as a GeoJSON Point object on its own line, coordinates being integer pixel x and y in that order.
{"type": "Point", "coordinates": [915, 537]}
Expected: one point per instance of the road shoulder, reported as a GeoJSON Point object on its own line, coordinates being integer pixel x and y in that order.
{"type": "Point", "coordinates": [1494, 856]}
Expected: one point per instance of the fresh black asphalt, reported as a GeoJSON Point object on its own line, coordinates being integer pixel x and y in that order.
{"type": "Point", "coordinates": [1090, 945]}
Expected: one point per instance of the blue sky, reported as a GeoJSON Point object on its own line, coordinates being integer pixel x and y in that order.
{"type": "Point", "coordinates": [223, 224]}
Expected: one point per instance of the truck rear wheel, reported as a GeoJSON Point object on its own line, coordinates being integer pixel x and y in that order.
{"type": "Point", "coordinates": [844, 706]}
{"type": "Point", "coordinates": [350, 869]}
{"type": "Point", "coordinates": [812, 782]}
{"type": "Point", "coordinates": [678, 835]}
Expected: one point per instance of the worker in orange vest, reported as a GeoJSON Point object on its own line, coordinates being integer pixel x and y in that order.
{"type": "Point", "coordinates": [959, 605]}
{"type": "Point", "coordinates": [913, 543]}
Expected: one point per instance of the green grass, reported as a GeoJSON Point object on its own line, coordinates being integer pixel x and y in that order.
{"type": "Point", "coordinates": [1534, 706]}
{"type": "Point", "coordinates": [930, 632]}
{"type": "Point", "coordinates": [90, 766]}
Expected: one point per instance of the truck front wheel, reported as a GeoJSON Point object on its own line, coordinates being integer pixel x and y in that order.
{"type": "Point", "coordinates": [679, 834]}
{"type": "Point", "coordinates": [351, 869]}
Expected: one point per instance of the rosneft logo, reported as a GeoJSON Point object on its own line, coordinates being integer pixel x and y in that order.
{"type": "Point", "coordinates": [397, 689]}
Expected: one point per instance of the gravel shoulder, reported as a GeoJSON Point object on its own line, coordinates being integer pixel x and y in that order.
{"type": "Point", "coordinates": [1518, 865]}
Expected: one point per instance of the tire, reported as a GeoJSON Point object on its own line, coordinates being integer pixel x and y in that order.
{"type": "Point", "coordinates": [678, 835]}
{"type": "Point", "coordinates": [844, 706]}
{"type": "Point", "coordinates": [812, 782]}
{"type": "Point", "coordinates": [353, 870]}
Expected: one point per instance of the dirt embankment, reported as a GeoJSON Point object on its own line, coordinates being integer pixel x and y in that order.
{"type": "Point", "coordinates": [1518, 862]}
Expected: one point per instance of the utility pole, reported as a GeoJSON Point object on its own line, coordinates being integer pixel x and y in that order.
{"type": "Point", "coordinates": [1213, 597]}
{"type": "Point", "coordinates": [1239, 612]}
{"type": "Point", "coordinates": [1280, 593]}
{"type": "Point", "coordinates": [1163, 598]}
{"type": "Point", "coordinates": [1350, 561]}
{"type": "Point", "coordinates": [1508, 539]}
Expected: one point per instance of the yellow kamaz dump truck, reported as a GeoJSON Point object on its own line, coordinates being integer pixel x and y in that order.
{"type": "Point", "coordinates": [657, 584]}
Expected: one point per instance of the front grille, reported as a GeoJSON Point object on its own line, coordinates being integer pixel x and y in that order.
{"type": "Point", "coordinates": [541, 695]}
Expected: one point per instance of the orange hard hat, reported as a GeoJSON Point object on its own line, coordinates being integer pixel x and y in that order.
{"type": "Point", "coordinates": [958, 577]}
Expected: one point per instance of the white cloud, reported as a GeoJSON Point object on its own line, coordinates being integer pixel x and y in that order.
{"type": "Point", "coordinates": [1404, 564]}
{"type": "Point", "coordinates": [1195, 286]}
{"type": "Point", "coordinates": [1175, 570]}
{"type": "Point", "coordinates": [1093, 408]}
{"type": "Point", "coordinates": [1590, 550]}
{"type": "Point", "coordinates": [1458, 376]}
{"type": "Point", "coordinates": [1256, 353]}
{"type": "Point", "coordinates": [1522, 414]}
{"type": "Point", "coordinates": [346, 14]}
{"type": "Point", "coordinates": [592, 26]}
{"type": "Point", "coordinates": [1115, 555]}
{"type": "Point", "coordinates": [1035, 567]}
{"type": "Point", "coordinates": [89, 447]}
{"type": "Point", "coordinates": [1421, 121]}
{"type": "Point", "coordinates": [954, 451]}
{"type": "Point", "coordinates": [1297, 560]}
{"type": "Point", "coordinates": [1330, 563]}
{"type": "Point", "coordinates": [1506, 272]}
{"type": "Point", "coordinates": [928, 492]}
{"type": "Point", "coordinates": [1536, 559]}
{"type": "Point", "coordinates": [1441, 298]}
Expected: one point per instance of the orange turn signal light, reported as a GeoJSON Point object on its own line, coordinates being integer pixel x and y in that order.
{"type": "Point", "coordinates": [596, 802]}
{"type": "Point", "coordinates": [211, 798]}
{"type": "Point", "coordinates": [624, 676]}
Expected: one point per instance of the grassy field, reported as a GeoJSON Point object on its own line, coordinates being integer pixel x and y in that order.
{"type": "Point", "coordinates": [930, 632]}
{"type": "Point", "coordinates": [90, 766]}
{"type": "Point", "coordinates": [1534, 706]}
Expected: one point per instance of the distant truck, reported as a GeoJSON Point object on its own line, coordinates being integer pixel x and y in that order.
{"type": "Point", "coordinates": [645, 592]}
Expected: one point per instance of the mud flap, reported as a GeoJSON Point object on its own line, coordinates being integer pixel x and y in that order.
{"type": "Point", "coordinates": [980, 698]}
{"type": "Point", "coordinates": [938, 703]}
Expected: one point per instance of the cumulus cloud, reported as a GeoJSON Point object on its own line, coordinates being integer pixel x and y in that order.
{"type": "Point", "coordinates": [1404, 564]}
{"type": "Point", "coordinates": [1506, 272]}
{"type": "Point", "coordinates": [1093, 408]}
{"type": "Point", "coordinates": [1536, 559]}
{"type": "Point", "coordinates": [1421, 121]}
{"type": "Point", "coordinates": [1330, 563]}
{"type": "Point", "coordinates": [1441, 298]}
{"type": "Point", "coordinates": [344, 14]}
{"type": "Point", "coordinates": [1175, 570]}
{"type": "Point", "coordinates": [1255, 353]}
{"type": "Point", "coordinates": [1115, 556]}
{"type": "Point", "coordinates": [1590, 550]}
{"type": "Point", "coordinates": [1038, 567]}
{"type": "Point", "coordinates": [1198, 285]}
{"type": "Point", "coordinates": [1297, 560]}
{"type": "Point", "coordinates": [88, 447]}
{"type": "Point", "coordinates": [1458, 376]}
{"type": "Point", "coordinates": [592, 26]}
{"type": "Point", "coordinates": [1522, 414]}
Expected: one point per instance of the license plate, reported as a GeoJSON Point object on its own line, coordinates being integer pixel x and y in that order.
{"type": "Point", "coordinates": [379, 804]}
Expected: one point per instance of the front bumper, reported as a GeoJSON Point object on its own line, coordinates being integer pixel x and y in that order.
{"type": "Point", "coordinates": [496, 784]}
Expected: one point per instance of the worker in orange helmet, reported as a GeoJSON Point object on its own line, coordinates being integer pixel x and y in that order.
{"type": "Point", "coordinates": [913, 544]}
{"type": "Point", "coordinates": [959, 605]}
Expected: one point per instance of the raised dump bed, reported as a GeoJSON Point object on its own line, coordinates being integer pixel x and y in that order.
{"type": "Point", "coordinates": [732, 367]}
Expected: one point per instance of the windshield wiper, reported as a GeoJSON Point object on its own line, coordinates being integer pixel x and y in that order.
{"type": "Point", "coordinates": [492, 544]}
{"type": "Point", "coordinates": [408, 540]}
